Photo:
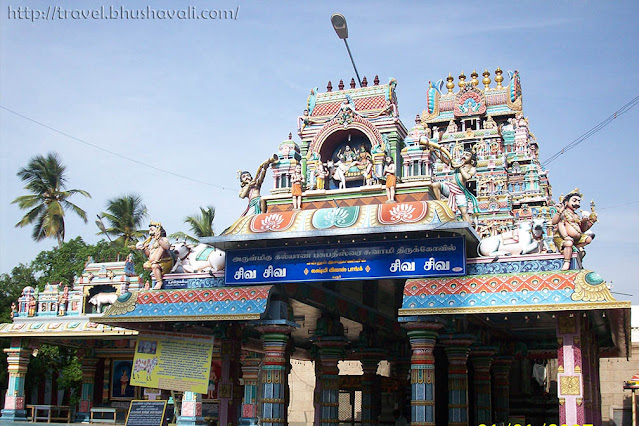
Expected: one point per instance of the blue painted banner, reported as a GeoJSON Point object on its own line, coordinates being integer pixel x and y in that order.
{"type": "Point", "coordinates": [437, 257]}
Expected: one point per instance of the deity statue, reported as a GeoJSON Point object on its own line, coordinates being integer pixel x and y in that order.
{"type": "Point", "coordinates": [452, 127]}
{"type": "Point", "coordinates": [31, 305]}
{"type": "Point", "coordinates": [348, 156]}
{"type": "Point", "coordinates": [490, 123]}
{"type": "Point", "coordinates": [520, 121]}
{"type": "Point", "coordinates": [391, 179]}
{"type": "Point", "coordinates": [456, 192]}
{"type": "Point", "coordinates": [250, 187]}
{"type": "Point", "coordinates": [320, 174]}
{"type": "Point", "coordinates": [156, 248]}
{"type": "Point", "coordinates": [296, 187]}
{"type": "Point", "coordinates": [14, 309]}
{"type": "Point", "coordinates": [63, 301]}
{"type": "Point", "coordinates": [570, 227]}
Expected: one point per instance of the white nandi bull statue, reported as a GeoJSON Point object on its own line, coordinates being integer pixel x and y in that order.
{"type": "Point", "coordinates": [526, 239]}
{"type": "Point", "coordinates": [337, 171]}
{"type": "Point", "coordinates": [102, 299]}
{"type": "Point", "coordinates": [200, 258]}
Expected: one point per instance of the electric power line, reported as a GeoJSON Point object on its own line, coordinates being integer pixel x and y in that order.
{"type": "Point", "coordinates": [113, 152]}
{"type": "Point", "coordinates": [624, 109]}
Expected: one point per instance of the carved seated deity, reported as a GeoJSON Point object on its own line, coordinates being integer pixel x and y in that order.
{"type": "Point", "coordinates": [452, 127]}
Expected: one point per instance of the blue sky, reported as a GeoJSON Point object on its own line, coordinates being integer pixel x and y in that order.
{"type": "Point", "coordinates": [204, 98]}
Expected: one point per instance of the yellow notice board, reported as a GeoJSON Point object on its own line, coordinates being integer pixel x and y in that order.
{"type": "Point", "coordinates": [173, 361]}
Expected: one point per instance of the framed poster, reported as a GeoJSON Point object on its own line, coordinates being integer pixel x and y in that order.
{"type": "Point", "coordinates": [121, 388]}
{"type": "Point", "coordinates": [214, 379]}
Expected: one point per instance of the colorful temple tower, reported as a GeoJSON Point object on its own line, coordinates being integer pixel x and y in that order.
{"type": "Point", "coordinates": [437, 249]}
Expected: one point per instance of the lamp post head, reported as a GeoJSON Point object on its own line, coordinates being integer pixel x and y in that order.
{"type": "Point", "coordinates": [339, 25]}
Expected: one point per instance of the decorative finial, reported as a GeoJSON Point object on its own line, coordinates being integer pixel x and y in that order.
{"type": "Point", "coordinates": [364, 82]}
{"type": "Point", "coordinates": [352, 83]}
{"type": "Point", "coordinates": [499, 78]}
{"type": "Point", "coordinates": [329, 86]}
{"type": "Point", "coordinates": [450, 85]}
{"type": "Point", "coordinates": [462, 80]}
{"type": "Point", "coordinates": [340, 86]}
{"type": "Point", "coordinates": [486, 79]}
{"type": "Point", "coordinates": [376, 81]}
{"type": "Point", "coordinates": [290, 136]}
{"type": "Point", "coordinates": [474, 81]}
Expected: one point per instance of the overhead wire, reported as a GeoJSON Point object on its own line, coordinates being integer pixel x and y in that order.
{"type": "Point", "coordinates": [624, 109]}
{"type": "Point", "coordinates": [98, 147]}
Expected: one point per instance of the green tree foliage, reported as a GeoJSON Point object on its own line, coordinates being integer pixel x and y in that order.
{"type": "Point", "coordinates": [56, 360]}
{"type": "Point", "coordinates": [201, 225]}
{"type": "Point", "coordinates": [48, 199]}
{"type": "Point", "coordinates": [64, 263]}
{"type": "Point", "coordinates": [125, 215]}
{"type": "Point", "coordinates": [11, 286]}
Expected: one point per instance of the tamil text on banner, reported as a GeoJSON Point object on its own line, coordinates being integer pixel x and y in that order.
{"type": "Point", "coordinates": [437, 257]}
{"type": "Point", "coordinates": [172, 361]}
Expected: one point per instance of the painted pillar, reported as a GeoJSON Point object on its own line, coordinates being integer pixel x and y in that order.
{"type": "Point", "coordinates": [587, 355]}
{"type": "Point", "coordinates": [228, 392]}
{"type": "Point", "coordinates": [88, 382]}
{"type": "Point", "coordinates": [371, 404]}
{"type": "Point", "coordinates": [273, 376]}
{"type": "Point", "coordinates": [422, 336]}
{"type": "Point", "coordinates": [595, 380]}
{"type": "Point", "coordinates": [251, 363]}
{"type": "Point", "coordinates": [191, 410]}
{"type": "Point", "coordinates": [106, 386]}
{"type": "Point", "coordinates": [482, 358]}
{"type": "Point", "coordinates": [570, 370]}
{"type": "Point", "coordinates": [17, 361]}
{"type": "Point", "coordinates": [501, 371]}
{"type": "Point", "coordinates": [457, 347]}
{"type": "Point", "coordinates": [331, 351]}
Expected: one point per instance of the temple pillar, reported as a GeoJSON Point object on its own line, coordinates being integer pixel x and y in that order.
{"type": "Point", "coordinates": [457, 347]}
{"type": "Point", "coordinates": [570, 370]}
{"type": "Point", "coordinates": [330, 352]}
{"type": "Point", "coordinates": [371, 403]}
{"type": "Point", "coordinates": [89, 366]}
{"type": "Point", "coordinates": [191, 410]}
{"type": "Point", "coordinates": [501, 371]}
{"type": "Point", "coordinates": [106, 383]}
{"type": "Point", "coordinates": [422, 336]}
{"type": "Point", "coordinates": [228, 392]}
{"type": "Point", "coordinates": [251, 363]}
{"type": "Point", "coordinates": [273, 376]}
{"type": "Point", "coordinates": [482, 358]}
{"type": "Point", "coordinates": [14, 402]}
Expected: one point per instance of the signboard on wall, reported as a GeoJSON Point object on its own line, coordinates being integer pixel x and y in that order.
{"type": "Point", "coordinates": [145, 413]}
{"type": "Point", "coordinates": [173, 361]}
{"type": "Point", "coordinates": [437, 257]}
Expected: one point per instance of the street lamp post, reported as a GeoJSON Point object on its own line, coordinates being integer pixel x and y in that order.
{"type": "Point", "coordinates": [340, 27]}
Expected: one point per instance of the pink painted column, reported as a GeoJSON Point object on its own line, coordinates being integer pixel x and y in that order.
{"type": "Point", "coordinates": [570, 372]}
{"type": "Point", "coordinates": [17, 360]}
{"type": "Point", "coordinates": [251, 363]}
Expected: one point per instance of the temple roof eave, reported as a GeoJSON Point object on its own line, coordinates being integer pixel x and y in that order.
{"type": "Point", "coordinates": [227, 242]}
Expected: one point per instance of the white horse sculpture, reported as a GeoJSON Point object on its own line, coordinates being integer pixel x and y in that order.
{"type": "Point", "coordinates": [526, 239]}
{"type": "Point", "coordinates": [102, 299]}
{"type": "Point", "coordinates": [200, 258]}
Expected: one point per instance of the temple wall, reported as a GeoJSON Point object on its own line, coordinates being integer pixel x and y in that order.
{"type": "Point", "coordinates": [614, 372]}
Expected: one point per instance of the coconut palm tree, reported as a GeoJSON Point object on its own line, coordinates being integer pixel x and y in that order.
{"type": "Point", "coordinates": [46, 180]}
{"type": "Point", "coordinates": [125, 215]}
{"type": "Point", "coordinates": [201, 225]}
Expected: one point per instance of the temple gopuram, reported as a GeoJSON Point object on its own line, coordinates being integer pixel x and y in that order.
{"type": "Point", "coordinates": [435, 250]}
